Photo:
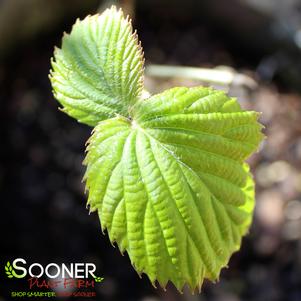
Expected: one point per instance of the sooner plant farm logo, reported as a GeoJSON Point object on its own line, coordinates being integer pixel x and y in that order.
{"type": "Point", "coordinates": [63, 280]}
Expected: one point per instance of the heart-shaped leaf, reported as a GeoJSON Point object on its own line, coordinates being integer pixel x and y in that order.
{"type": "Point", "coordinates": [98, 72]}
{"type": "Point", "coordinates": [166, 174]}
{"type": "Point", "coordinates": [170, 183]}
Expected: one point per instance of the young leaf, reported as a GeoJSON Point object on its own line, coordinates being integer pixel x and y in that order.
{"type": "Point", "coordinates": [98, 72]}
{"type": "Point", "coordinates": [166, 174]}
{"type": "Point", "coordinates": [170, 184]}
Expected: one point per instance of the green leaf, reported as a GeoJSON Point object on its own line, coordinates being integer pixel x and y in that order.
{"type": "Point", "coordinates": [98, 72]}
{"type": "Point", "coordinates": [170, 184]}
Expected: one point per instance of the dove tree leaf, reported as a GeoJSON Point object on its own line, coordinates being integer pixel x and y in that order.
{"type": "Point", "coordinates": [98, 71]}
{"type": "Point", "coordinates": [171, 186]}
{"type": "Point", "coordinates": [167, 174]}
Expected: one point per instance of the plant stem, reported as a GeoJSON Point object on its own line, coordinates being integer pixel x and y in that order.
{"type": "Point", "coordinates": [222, 75]}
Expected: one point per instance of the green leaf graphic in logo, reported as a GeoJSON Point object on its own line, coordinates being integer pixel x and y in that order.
{"type": "Point", "coordinates": [98, 279]}
{"type": "Point", "coordinates": [167, 174]}
{"type": "Point", "coordinates": [9, 270]}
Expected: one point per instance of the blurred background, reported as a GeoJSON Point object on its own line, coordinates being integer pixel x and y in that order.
{"type": "Point", "coordinates": [255, 48]}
